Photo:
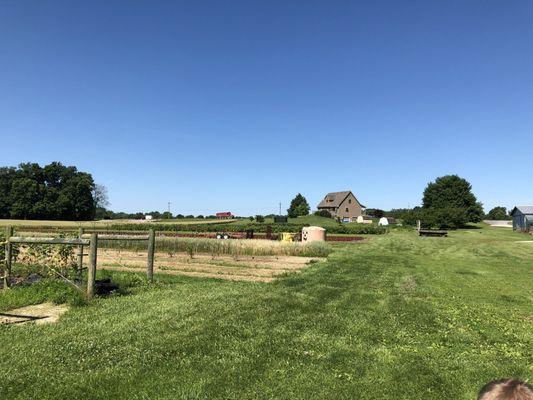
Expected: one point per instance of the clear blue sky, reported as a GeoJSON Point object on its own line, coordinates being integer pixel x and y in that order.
{"type": "Point", "coordinates": [238, 105]}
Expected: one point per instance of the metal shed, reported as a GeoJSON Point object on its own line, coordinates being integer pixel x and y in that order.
{"type": "Point", "coordinates": [522, 218]}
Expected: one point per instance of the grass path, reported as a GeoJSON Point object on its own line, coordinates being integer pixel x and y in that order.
{"type": "Point", "coordinates": [398, 317]}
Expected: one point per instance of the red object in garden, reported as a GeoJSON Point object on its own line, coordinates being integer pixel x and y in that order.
{"type": "Point", "coordinates": [224, 215]}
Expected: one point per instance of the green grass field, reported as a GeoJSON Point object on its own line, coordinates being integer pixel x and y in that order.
{"type": "Point", "coordinates": [396, 317]}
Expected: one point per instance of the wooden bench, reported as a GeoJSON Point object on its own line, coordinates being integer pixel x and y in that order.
{"type": "Point", "coordinates": [429, 232]}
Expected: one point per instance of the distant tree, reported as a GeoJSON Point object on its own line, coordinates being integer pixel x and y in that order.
{"type": "Point", "coordinates": [190, 216]}
{"type": "Point", "coordinates": [323, 213]}
{"type": "Point", "coordinates": [397, 213]}
{"type": "Point", "coordinates": [375, 212]}
{"type": "Point", "coordinates": [251, 218]}
{"type": "Point", "coordinates": [50, 192]}
{"type": "Point", "coordinates": [200, 216]}
{"type": "Point", "coordinates": [180, 216]}
{"type": "Point", "coordinates": [452, 192]}
{"type": "Point", "coordinates": [260, 218]}
{"type": "Point", "coordinates": [299, 207]}
{"type": "Point", "coordinates": [498, 213]}
{"type": "Point", "coordinates": [7, 175]}
{"type": "Point", "coordinates": [167, 215]}
{"type": "Point", "coordinates": [100, 197]}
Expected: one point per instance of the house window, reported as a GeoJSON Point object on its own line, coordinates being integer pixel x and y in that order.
{"type": "Point", "coordinates": [347, 210]}
{"type": "Point", "coordinates": [349, 201]}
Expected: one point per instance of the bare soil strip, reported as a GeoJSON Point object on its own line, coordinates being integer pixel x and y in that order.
{"type": "Point", "coordinates": [45, 313]}
{"type": "Point", "coordinates": [239, 268]}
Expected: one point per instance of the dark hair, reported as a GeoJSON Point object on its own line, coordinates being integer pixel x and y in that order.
{"type": "Point", "coordinates": [506, 389]}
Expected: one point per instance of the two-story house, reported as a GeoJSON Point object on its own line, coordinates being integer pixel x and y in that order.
{"type": "Point", "coordinates": [343, 206]}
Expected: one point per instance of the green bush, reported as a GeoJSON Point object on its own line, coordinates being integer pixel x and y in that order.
{"type": "Point", "coordinates": [437, 218]}
{"type": "Point", "coordinates": [323, 213]}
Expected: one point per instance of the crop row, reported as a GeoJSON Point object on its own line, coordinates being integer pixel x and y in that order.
{"type": "Point", "coordinates": [351, 228]}
{"type": "Point", "coordinates": [224, 247]}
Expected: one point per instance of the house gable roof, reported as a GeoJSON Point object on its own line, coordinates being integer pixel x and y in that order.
{"type": "Point", "coordinates": [336, 199]}
{"type": "Point", "coordinates": [526, 210]}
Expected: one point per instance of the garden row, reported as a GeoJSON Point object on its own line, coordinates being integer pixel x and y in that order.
{"type": "Point", "coordinates": [214, 248]}
{"type": "Point", "coordinates": [356, 229]}
{"type": "Point", "coordinates": [342, 229]}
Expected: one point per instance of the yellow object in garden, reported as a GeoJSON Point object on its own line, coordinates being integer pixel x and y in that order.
{"type": "Point", "coordinates": [287, 237]}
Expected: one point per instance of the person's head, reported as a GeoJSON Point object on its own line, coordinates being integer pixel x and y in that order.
{"type": "Point", "coordinates": [506, 389]}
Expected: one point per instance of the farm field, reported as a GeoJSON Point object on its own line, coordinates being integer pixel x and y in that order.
{"type": "Point", "coordinates": [104, 223]}
{"type": "Point", "coordinates": [236, 268]}
{"type": "Point", "coordinates": [394, 317]}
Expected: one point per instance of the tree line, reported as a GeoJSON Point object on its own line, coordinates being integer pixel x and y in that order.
{"type": "Point", "coordinates": [53, 192]}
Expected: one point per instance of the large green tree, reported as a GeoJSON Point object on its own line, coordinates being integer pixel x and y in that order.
{"type": "Point", "coordinates": [299, 207]}
{"type": "Point", "coordinates": [498, 213]}
{"type": "Point", "coordinates": [453, 193]}
{"type": "Point", "coordinates": [50, 192]}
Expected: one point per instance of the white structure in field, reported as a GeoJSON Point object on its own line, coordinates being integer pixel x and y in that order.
{"type": "Point", "coordinates": [383, 221]}
{"type": "Point", "coordinates": [148, 217]}
{"type": "Point", "coordinates": [313, 234]}
{"type": "Point", "coordinates": [364, 219]}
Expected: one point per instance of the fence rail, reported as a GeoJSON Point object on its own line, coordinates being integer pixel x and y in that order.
{"type": "Point", "coordinates": [51, 240]}
{"type": "Point", "coordinates": [92, 242]}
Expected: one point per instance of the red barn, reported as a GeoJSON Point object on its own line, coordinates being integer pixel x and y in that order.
{"type": "Point", "coordinates": [224, 215]}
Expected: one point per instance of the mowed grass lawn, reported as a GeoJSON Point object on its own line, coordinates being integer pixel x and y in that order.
{"type": "Point", "coordinates": [397, 317]}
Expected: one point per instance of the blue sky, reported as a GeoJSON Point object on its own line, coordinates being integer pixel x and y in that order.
{"type": "Point", "coordinates": [239, 105]}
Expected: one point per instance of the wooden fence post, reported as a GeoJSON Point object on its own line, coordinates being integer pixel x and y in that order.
{"type": "Point", "coordinates": [8, 248]}
{"type": "Point", "coordinates": [91, 272]}
{"type": "Point", "coordinates": [151, 251]}
{"type": "Point", "coordinates": [80, 253]}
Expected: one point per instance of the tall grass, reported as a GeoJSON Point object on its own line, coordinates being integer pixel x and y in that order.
{"type": "Point", "coordinates": [216, 247]}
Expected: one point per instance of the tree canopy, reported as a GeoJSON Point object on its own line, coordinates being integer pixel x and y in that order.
{"type": "Point", "coordinates": [299, 207]}
{"type": "Point", "coordinates": [452, 192]}
{"type": "Point", "coordinates": [498, 213]}
{"type": "Point", "coordinates": [54, 192]}
{"type": "Point", "coordinates": [449, 203]}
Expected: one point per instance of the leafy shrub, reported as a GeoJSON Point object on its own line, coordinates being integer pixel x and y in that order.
{"type": "Point", "coordinates": [323, 213]}
{"type": "Point", "coordinates": [260, 218]}
{"type": "Point", "coordinates": [439, 218]}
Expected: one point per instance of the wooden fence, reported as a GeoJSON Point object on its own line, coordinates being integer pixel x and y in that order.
{"type": "Point", "coordinates": [81, 241]}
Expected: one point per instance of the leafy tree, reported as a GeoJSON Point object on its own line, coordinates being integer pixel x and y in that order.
{"type": "Point", "coordinates": [50, 192]}
{"type": "Point", "coordinates": [375, 212]}
{"type": "Point", "coordinates": [299, 207]}
{"type": "Point", "coordinates": [180, 216]}
{"type": "Point", "coordinates": [200, 216]}
{"type": "Point", "coordinates": [260, 218]}
{"type": "Point", "coordinates": [498, 213]}
{"type": "Point", "coordinates": [167, 215]}
{"type": "Point", "coordinates": [100, 196]}
{"type": "Point", "coordinates": [451, 192]}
